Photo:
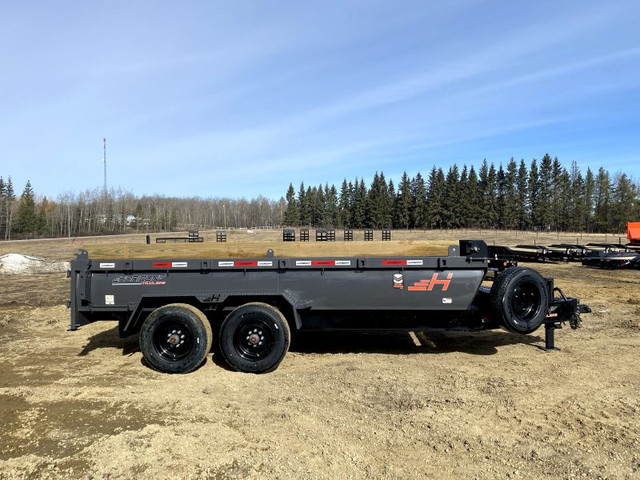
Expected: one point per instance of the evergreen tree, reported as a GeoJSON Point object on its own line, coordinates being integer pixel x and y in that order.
{"type": "Point", "coordinates": [435, 193]}
{"type": "Point", "coordinates": [389, 210]}
{"type": "Point", "coordinates": [558, 195]}
{"type": "Point", "coordinates": [565, 204]}
{"type": "Point", "coordinates": [451, 199]}
{"type": "Point", "coordinates": [522, 192]}
{"type": "Point", "coordinates": [331, 206]}
{"type": "Point", "coordinates": [379, 202]}
{"type": "Point", "coordinates": [602, 200]}
{"type": "Point", "coordinates": [26, 218]}
{"type": "Point", "coordinates": [359, 214]}
{"type": "Point", "coordinates": [488, 189]}
{"type": "Point", "coordinates": [463, 202]}
{"type": "Point", "coordinates": [545, 193]}
{"type": "Point", "coordinates": [344, 208]}
{"type": "Point", "coordinates": [624, 199]}
{"type": "Point", "coordinates": [304, 207]}
{"type": "Point", "coordinates": [403, 204]}
{"type": "Point", "coordinates": [500, 197]}
{"type": "Point", "coordinates": [373, 210]}
{"type": "Point", "coordinates": [511, 197]}
{"type": "Point", "coordinates": [534, 196]}
{"type": "Point", "coordinates": [589, 192]}
{"type": "Point", "coordinates": [292, 213]}
{"type": "Point", "coordinates": [578, 211]}
{"type": "Point", "coordinates": [475, 213]}
{"type": "Point", "coordinates": [387, 193]}
{"type": "Point", "coordinates": [419, 208]}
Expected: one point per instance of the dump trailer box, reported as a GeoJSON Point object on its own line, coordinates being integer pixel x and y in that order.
{"type": "Point", "coordinates": [254, 304]}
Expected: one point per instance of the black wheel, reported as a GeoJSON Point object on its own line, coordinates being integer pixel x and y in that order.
{"type": "Point", "coordinates": [175, 338]}
{"type": "Point", "coordinates": [254, 338]}
{"type": "Point", "coordinates": [520, 299]}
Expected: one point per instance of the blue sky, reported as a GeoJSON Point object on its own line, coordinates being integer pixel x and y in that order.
{"type": "Point", "coordinates": [237, 99]}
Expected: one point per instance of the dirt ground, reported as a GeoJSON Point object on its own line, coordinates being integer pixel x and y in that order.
{"type": "Point", "coordinates": [448, 406]}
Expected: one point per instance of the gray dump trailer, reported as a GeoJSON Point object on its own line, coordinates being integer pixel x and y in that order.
{"type": "Point", "coordinates": [253, 305]}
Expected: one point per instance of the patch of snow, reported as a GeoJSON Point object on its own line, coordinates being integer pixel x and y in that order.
{"type": "Point", "coordinates": [14, 263]}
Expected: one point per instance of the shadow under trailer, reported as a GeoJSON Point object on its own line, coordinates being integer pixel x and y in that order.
{"type": "Point", "coordinates": [254, 305]}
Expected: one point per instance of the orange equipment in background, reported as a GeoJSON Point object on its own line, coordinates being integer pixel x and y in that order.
{"type": "Point", "coordinates": [633, 232]}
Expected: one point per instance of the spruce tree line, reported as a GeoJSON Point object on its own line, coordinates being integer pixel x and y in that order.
{"type": "Point", "coordinates": [542, 195]}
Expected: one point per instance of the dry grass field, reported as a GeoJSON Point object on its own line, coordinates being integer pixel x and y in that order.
{"type": "Point", "coordinates": [394, 406]}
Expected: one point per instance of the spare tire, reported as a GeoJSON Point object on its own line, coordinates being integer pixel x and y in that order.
{"type": "Point", "coordinates": [519, 299]}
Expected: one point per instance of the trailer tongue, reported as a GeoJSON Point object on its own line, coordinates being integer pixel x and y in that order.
{"type": "Point", "coordinates": [253, 304]}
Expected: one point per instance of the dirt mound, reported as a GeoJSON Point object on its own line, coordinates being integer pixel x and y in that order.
{"type": "Point", "coordinates": [17, 264]}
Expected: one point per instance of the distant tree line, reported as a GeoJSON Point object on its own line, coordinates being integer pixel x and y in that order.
{"type": "Point", "coordinates": [543, 195]}
{"type": "Point", "coordinates": [94, 212]}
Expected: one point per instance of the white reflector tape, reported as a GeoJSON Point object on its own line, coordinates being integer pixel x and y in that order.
{"type": "Point", "coordinates": [265, 264]}
{"type": "Point", "coordinates": [343, 263]}
{"type": "Point", "coordinates": [107, 265]}
{"type": "Point", "coordinates": [179, 264]}
{"type": "Point", "coordinates": [303, 263]}
{"type": "Point", "coordinates": [225, 264]}
{"type": "Point", "coordinates": [415, 262]}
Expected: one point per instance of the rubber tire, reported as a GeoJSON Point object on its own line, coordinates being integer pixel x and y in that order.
{"type": "Point", "coordinates": [193, 320]}
{"type": "Point", "coordinates": [504, 291]}
{"type": "Point", "coordinates": [267, 317]}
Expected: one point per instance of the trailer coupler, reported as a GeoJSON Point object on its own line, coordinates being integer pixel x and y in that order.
{"type": "Point", "coordinates": [563, 309]}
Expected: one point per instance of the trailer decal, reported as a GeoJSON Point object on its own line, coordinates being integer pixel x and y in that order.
{"type": "Point", "coordinates": [323, 263]}
{"type": "Point", "coordinates": [139, 280]}
{"type": "Point", "coordinates": [394, 262]}
{"type": "Point", "coordinates": [246, 263]}
{"type": "Point", "coordinates": [427, 285]}
{"type": "Point", "coordinates": [166, 265]}
{"type": "Point", "coordinates": [398, 281]}
{"type": "Point", "coordinates": [413, 262]}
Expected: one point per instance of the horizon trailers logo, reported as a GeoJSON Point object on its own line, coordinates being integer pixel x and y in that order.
{"type": "Point", "coordinates": [428, 285]}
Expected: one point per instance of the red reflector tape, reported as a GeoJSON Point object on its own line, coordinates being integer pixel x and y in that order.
{"type": "Point", "coordinates": [394, 262]}
{"type": "Point", "coordinates": [247, 263]}
{"type": "Point", "coordinates": [161, 264]}
{"type": "Point", "coordinates": [323, 263]}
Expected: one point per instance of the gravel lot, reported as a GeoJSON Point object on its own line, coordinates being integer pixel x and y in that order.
{"type": "Point", "coordinates": [490, 405]}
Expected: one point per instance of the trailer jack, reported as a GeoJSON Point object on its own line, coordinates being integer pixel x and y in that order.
{"type": "Point", "coordinates": [565, 309]}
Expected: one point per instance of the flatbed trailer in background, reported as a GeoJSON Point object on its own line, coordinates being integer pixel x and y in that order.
{"type": "Point", "coordinates": [253, 304]}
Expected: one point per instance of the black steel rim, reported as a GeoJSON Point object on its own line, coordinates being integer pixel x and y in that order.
{"type": "Point", "coordinates": [173, 340]}
{"type": "Point", "coordinates": [254, 338]}
{"type": "Point", "coordinates": [525, 302]}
